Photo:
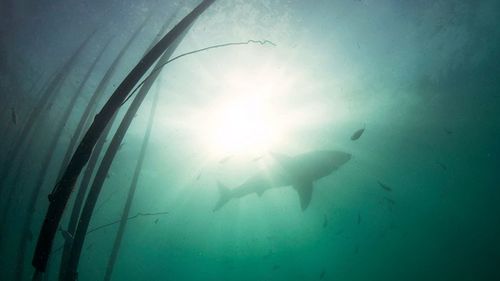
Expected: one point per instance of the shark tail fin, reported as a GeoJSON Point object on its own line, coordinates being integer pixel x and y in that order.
{"type": "Point", "coordinates": [224, 196]}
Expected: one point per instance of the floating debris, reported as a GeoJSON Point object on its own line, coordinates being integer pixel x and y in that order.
{"type": "Point", "coordinates": [13, 115]}
{"type": "Point", "coordinates": [357, 134]}
{"type": "Point", "coordinates": [384, 186]}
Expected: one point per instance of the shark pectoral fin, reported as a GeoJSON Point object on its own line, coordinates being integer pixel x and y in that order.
{"type": "Point", "coordinates": [305, 193]}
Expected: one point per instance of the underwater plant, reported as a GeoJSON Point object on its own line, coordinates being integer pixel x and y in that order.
{"type": "Point", "coordinates": [60, 196]}
{"type": "Point", "coordinates": [82, 189]}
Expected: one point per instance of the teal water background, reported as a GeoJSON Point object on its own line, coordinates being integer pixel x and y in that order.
{"type": "Point", "coordinates": [422, 77]}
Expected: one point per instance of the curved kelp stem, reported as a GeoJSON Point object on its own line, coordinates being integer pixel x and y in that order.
{"type": "Point", "coordinates": [135, 179]}
{"type": "Point", "coordinates": [28, 137]}
{"type": "Point", "coordinates": [96, 97]}
{"type": "Point", "coordinates": [82, 190]}
{"type": "Point", "coordinates": [5, 206]}
{"type": "Point", "coordinates": [104, 167]}
{"type": "Point", "coordinates": [45, 100]}
{"type": "Point", "coordinates": [75, 212]}
{"type": "Point", "coordinates": [47, 158]}
{"type": "Point", "coordinates": [9, 112]}
{"type": "Point", "coordinates": [60, 196]}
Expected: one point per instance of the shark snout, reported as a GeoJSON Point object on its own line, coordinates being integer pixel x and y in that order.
{"type": "Point", "coordinates": [340, 158]}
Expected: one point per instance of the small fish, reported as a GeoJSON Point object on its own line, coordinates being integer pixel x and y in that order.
{"type": "Point", "coordinates": [225, 159]}
{"type": "Point", "coordinates": [13, 115]}
{"type": "Point", "coordinates": [443, 166]}
{"type": "Point", "coordinates": [384, 186]}
{"type": "Point", "coordinates": [325, 221]}
{"type": "Point", "coordinates": [358, 134]}
{"type": "Point", "coordinates": [156, 221]}
{"type": "Point", "coordinates": [322, 274]}
{"type": "Point", "coordinates": [359, 218]}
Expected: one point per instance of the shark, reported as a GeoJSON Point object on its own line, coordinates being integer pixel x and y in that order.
{"type": "Point", "coordinates": [300, 172]}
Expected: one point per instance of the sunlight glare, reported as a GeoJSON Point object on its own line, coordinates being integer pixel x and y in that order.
{"type": "Point", "coordinates": [245, 121]}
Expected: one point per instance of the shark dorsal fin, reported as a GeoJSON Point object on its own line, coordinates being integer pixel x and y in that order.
{"type": "Point", "coordinates": [304, 190]}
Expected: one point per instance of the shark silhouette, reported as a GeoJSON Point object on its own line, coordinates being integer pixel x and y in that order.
{"type": "Point", "coordinates": [299, 171]}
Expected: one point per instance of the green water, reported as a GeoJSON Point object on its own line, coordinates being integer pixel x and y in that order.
{"type": "Point", "coordinates": [422, 78]}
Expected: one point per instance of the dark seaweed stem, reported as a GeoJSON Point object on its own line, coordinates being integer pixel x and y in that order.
{"type": "Point", "coordinates": [60, 197]}
{"type": "Point", "coordinates": [8, 197]}
{"type": "Point", "coordinates": [133, 186]}
{"type": "Point", "coordinates": [46, 160]}
{"type": "Point", "coordinates": [8, 107]}
{"type": "Point", "coordinates": [94, 100]}
{"type": "Point", "coordinates": [46, 99]}
{"type": "Point", "coordinates": [103, 170]}
{"type": "Point", "coordinates": [48, 94]}
{"type": "Point", "coordinates": [82, 190]}
{"type": "Point", "coordinates": [99, 92]}
{"type": "Point", "coordinates": [80, 196]}
{"type": "Point", "coordinates": [161, 65]}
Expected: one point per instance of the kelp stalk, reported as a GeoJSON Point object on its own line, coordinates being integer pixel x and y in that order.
{"type": "Point", "coordinates": [60, 196]}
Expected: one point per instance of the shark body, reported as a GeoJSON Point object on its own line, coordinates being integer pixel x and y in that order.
{"type": "Point", "coordinates": [299, 171]}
